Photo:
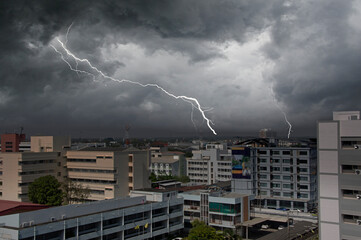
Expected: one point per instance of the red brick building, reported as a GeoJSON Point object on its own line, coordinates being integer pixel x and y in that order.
{"type": "Point", "coordinates": [10, 142]}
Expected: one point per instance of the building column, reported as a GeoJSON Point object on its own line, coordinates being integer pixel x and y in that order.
{"type": "Point", "coordinates": [305, 207]}
{"type": "Point", "coordinates": [277, 203]}
{"type": "Point", "coordinates": [292, 205]}
{"type": "Point", "coordinates": [265, 203]}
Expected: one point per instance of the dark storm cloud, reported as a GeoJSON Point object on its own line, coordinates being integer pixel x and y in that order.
{"type": "Point", "coordinates": [317, 54]}
{"type": "Point", "coordinates": [313, 47]}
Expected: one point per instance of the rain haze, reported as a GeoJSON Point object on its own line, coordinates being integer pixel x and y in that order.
{"type": "Point", "coordinates": [246, 62]}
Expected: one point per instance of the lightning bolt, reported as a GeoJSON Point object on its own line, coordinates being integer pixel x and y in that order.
{"type": "Point", "coordinates": [193, 101]}
{"type": "Point", "coordinates": [283, 112]}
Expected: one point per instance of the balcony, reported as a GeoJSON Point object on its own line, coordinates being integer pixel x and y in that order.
{"type": "Point", "coordinates": [191, 208]}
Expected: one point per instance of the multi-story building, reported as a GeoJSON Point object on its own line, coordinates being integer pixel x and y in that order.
{"type": "Point", "coordinates": [109, 173]}
{"type": "Point", "coordinates": [280, 177]}
{"type": "Point", "coordinates": [20, 169]}
{"type": "Point", "coordinates": [339, 174]}
{"type": "Point", "coordinates": [216, 208]}
{"type": "Point", "coordinates": [129, 218]}
{"type": "Point", "coordinates": [168, 163]}
{"type": "Point", "coordinates": [10, 142]}
{"type": "Point", "coordinates": [210, 165]}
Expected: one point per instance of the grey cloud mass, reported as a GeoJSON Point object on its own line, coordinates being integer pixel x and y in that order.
{"type": "Point", "coordinates": [227, 54]}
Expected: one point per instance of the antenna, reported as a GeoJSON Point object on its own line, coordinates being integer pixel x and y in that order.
{"type": "Point", "coordinates": [126, 135]}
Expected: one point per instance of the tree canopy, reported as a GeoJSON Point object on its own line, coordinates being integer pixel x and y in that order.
{"type": "Point", "coordinates": [201, 231]}
{"type": "Point", "coordinates": [46, 190]}
{"type": "Point", "coordinates": [74, 192]}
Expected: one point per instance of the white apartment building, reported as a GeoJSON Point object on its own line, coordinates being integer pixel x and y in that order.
{"type": "Point", "coordinates": [339, 175]}
{"type": "Point", "coordinates": [211, 165]}
{"type": "Point", "coordinates": [281, 177]}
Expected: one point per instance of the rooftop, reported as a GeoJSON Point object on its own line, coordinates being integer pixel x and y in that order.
{"type": "Point", "coordinates": [12, 207]}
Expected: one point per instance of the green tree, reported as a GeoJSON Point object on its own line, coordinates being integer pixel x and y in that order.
{"type": "Point", "coordinates": [74, 192]}
{"type": "Point", "coordinates": [229, 234]}
{"type": "Point", "coordinates": [153, 177]}
{"type": "Point", "coordinates": [200, 231]}
{"type": "Point", "coordinates": [46, 190]}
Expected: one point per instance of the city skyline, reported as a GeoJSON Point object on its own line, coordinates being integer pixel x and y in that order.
{"type": "Point", "coordinates": [247, 63]}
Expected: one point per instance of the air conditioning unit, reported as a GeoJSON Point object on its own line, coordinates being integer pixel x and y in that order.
{"type": "Point", "coordinates": [63, 216]}
{"type": "Point", "coordinates": [358, 196]}
{"type": "Point", "coordinates": [358, 222]}
{"type": "Point", "coordinates": [358, 171]}
{"type": "Point", "coordinates": [31, 223]}
{"type": "Point", "coordinates": [357, 146]}
{"type": "Point", "coordinates": [52, 219]}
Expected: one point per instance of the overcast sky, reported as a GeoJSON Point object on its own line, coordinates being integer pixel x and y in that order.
{"type": "Point", "coordinates": [246, 62]}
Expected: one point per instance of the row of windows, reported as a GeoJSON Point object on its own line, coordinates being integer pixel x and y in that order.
{"type": "Point", "coordinates": [82, 160]}
{"type": "Point", "coordinates": [285, 177]}
{"type": "Point", "coordinates": [224, 176]}
{"type": "Point", "coordinates": [278, 169]}
{"type": "Point", "coordinates": [106, 157]}
{"type": "Point", "coordinates": [36, 162]}
{"type": "Point", "coordinates": [197, 162]}
{"type": "Point", "coordinates": [91, 170]}
{"type": "Point", "coordinates": [284, 152]}
{"type": "Point", "coordinates": [36, 172]}
{"type": "Point", "coordinates": [197, 175]}
{"type": "Point", "coordinates": [94, 181]}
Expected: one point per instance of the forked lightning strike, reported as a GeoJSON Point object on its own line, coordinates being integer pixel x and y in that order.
{"type": "Point", "coordinates": [284, 114]}
{"type": "Point", "coordinates": [193, 101]}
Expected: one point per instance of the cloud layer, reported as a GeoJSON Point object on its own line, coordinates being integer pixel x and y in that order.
{"type": "Point", "coordinates": [233, 56]}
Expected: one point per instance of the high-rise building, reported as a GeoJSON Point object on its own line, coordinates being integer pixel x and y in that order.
{"type": "Point", "coordinates": [339, 174]}
{"type": "Point", "coordinates": [210, 165]}
{"type": "Point", "coordinates": [279, 177]}
{"type": "Point", "coordinates": [109, 173]}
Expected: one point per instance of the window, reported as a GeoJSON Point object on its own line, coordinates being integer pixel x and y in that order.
{"type": "Point", "coordinates": [263, 168]}
{"type": "Point", "coordinates": [303, 161]}
{"type": "Point", "coordinates": [286, 169]}
{"type": "Point", "coordinates": [303, 178]}
{"type": "Point", "coordinates": [276, 160]}
{"type": "Point", "coordinates": [276, 152]}
{"type": "Point", "coordinates": [286, 177]}
{"type": "Point", "coordinates": [276, 194]}
{"type": "Point", "coordinates": [262, 152]}
{"type": "Point", "coordinates": [263, 176]}
{"type": "Point", "coordinates": [287, 160]}
{"type": "Point", "coordinates": [286, 152]}
{"type": "Point", "coordinates": [276, 177]}
{"type": "Point", "coordinates": [303, 170]}
{"type": "Point", "coordinates": [287, 194]}
{"type": "Point", "coordinates": [304, 187]}
{"type": "Point", "coordinates": [275, 185]}
{"type": "Point", "coordinates": [304, 153]}
{"type": "Point", "coordinates": [287, 185]}
{"type": "Point", "coordinates": [263, 160]}
{"type": "Point", "coordinates": [277, 169]}
{"type": "Point", "coordinates": [263, 184]}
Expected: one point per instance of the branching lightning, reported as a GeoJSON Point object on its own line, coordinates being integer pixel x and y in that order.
{"type": "Point", "coordinates": [193, 101]}
{"type": "Point", "coordinates": [283, 112]}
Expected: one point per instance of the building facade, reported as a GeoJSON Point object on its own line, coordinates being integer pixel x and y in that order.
{"type": "Point", "coordinates": [20, 169]}
{"type": "Point", "coordinates": [10, 142]}
{"type": "Point", "coordinates": [210, 165]}
{"type": "Point", "coordinates": [217, 209]}
{"type": "Point", "coordinates": [339, 173]}
{"type": "Point", "coordinates": [280, 178]}
{"type": "Point", "coordinates": [130, 218]}
{"type": "Point", "coordinates": [109, 174]}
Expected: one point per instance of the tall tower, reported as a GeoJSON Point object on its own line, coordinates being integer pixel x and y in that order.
{"type": "Point", "coordinates": [339, 176]}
